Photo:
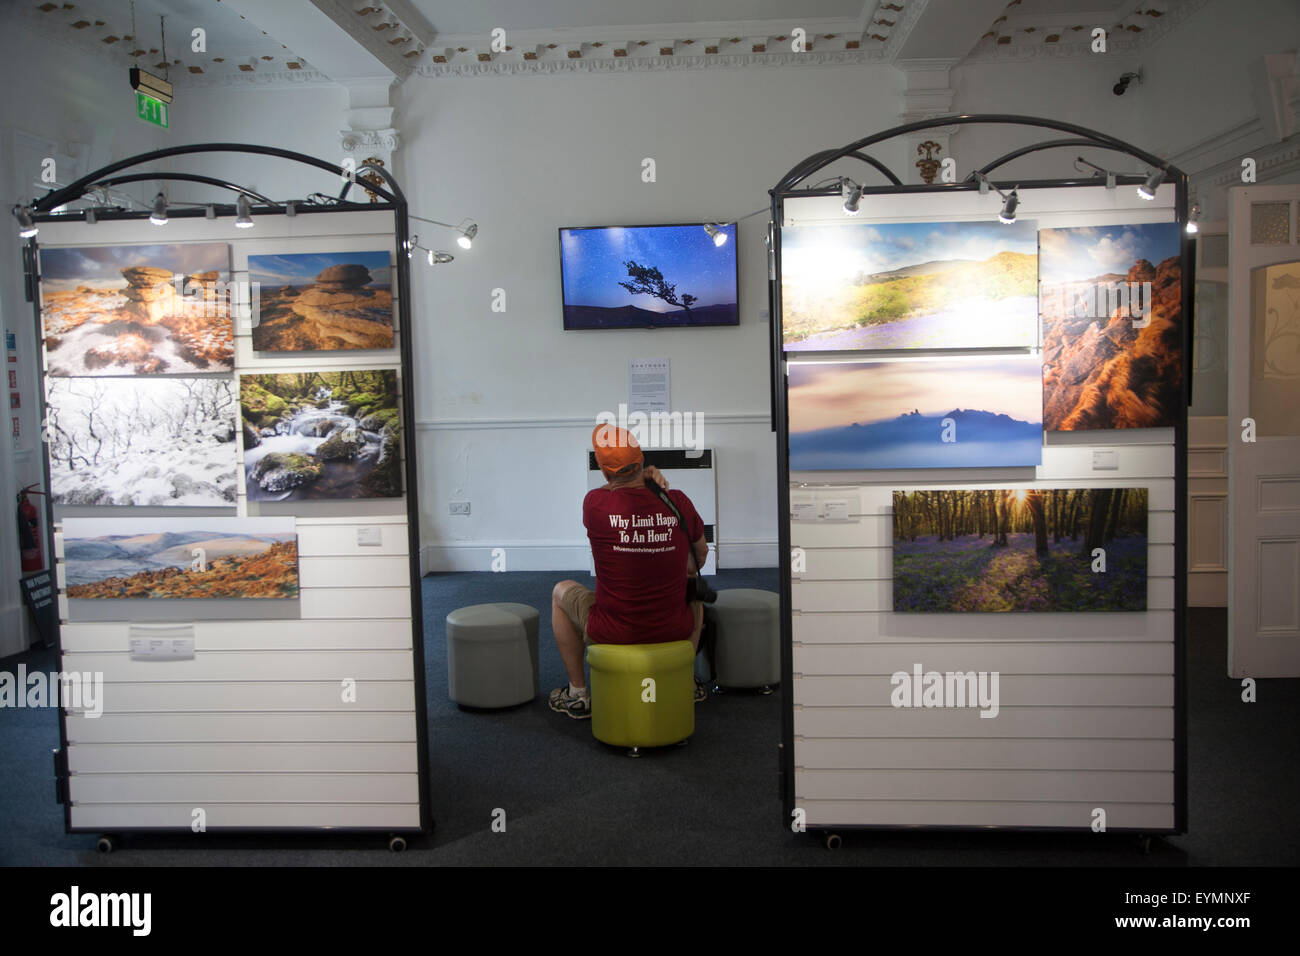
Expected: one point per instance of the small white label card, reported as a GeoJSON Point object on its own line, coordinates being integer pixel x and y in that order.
{"type": "Point", "coordinates": [1105, 459]}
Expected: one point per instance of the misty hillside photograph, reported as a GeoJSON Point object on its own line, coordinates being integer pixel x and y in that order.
{"type": "Point", "coordinates": [897, 414]}
{"type": "Point", "coordinates": [910, 285]}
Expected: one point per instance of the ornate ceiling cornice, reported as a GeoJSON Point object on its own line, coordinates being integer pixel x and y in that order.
{"type": "Point", "coordinates": [1013, 36]}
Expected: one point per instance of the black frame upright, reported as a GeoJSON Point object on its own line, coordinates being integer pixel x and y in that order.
{"type": "Point", "coordinates": [389, 197]}
{"type": "Point", "coordinates": [1080, 137]}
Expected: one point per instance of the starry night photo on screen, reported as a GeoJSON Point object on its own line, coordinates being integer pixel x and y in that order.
{"type": "Point", "coordinates": [631, 277]}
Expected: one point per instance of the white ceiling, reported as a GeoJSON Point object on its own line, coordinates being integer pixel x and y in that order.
{"type": "Point", "coordinates": [482, 16]}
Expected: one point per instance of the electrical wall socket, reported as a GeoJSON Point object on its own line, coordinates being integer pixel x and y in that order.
{"type": "Point", "coordinates": [458, 507]}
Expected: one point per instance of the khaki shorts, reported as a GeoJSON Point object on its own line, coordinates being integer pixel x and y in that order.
{"type": "Point", "coordinates": [578, 600]}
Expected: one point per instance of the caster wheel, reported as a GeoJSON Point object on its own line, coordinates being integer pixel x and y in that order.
{"type": "Point", "coordinates": [767, 690]}
{"type": "Point", "coordinates": [634, 752]}
{"type": "Point", "coordinates": [397, 844]}
{"type": "Point", "coordinates": [105, 844]}
{"type": "Point", "coordinates": [833, 841]}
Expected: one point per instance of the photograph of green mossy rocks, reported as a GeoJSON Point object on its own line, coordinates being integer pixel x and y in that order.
{"type": "Point", "coordinates": [321, 435]}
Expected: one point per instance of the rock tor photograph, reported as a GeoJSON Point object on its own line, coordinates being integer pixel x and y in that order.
{"type": "Point", "coordinates": [137, 310]}
{"type": "Point", "coordinates": [322, 302]}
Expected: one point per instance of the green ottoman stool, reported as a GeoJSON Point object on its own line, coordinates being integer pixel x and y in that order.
{"type": "Point", "coordinates": [749, 638]}
{"type": "Point", "coordinates": [492, 655]}
{"type": "Point", "coordinates": [619, 713]}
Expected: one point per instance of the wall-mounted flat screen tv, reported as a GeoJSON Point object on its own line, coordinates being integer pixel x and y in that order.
{"type": "Point", "coordinates": [638, 277]}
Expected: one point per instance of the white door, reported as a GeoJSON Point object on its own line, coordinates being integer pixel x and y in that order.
{"type": "Point", "coordinates": [1264, 475]}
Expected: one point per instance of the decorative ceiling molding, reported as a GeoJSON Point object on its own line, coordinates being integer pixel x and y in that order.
{"type": "Point", "coordinates": [379, 30]}
{"type": "Point", "coordinates": [1131, 28]}
{"type": "Point", "coordinates": [868, 38]}
{"type": "Point", "coordinates": [112, 43]}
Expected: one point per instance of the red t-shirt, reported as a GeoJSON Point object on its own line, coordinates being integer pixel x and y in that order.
{"type": "Point", "coordinates": [641, 560]}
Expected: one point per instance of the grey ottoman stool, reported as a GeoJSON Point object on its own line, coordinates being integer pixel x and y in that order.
{"type": "Point", "coordinates": [749, 638]}
{"type": "Point", "coordinates": [492, 655]}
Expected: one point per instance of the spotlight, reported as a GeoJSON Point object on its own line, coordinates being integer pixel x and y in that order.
{"type": "Point", "coordinates": [1148, 189]}
{"type": "Point", "coordinates": [1193, 216]}
{"type": "Point", "coordinates": [210, 212]}
{"type": "Point", "coordinates": [243, 212]}
{"type": "Point", "coordinates": [411, 245]}
{"type": "Point", "coordinates": [290, 209]}
{"type": "Point", "coordinates": [159, 215]}
{"type": "Point", "coordinates": [717, 235]}
{"type": "Point", "coordinates": [467, 237]}
{"type": "Point", "coordinates": [1008, 214]}
{"type": "Point", "coordinates": [26, 226]}
{"type": "Point", "coordinates": [1110, 179]}
{"type": "Point", "coordinates": [1119, 88]}
{"type": "Point", "coordinates": [984, 184]}
{"type": "Point", "coordinates": [439, 258]}
{"type": "Point", "coordinates": [851, 193]}
{"type": "Point", "coordinates": [90, 215]}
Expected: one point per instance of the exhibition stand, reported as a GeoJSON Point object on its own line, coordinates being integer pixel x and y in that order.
{"type": "Point", "coordinates": [227, 403]}
{"type": "Point", "coordinates": [981, 391]}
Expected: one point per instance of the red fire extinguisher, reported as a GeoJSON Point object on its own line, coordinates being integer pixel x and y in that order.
{"type": "Point", "coordinates": [29, 531]}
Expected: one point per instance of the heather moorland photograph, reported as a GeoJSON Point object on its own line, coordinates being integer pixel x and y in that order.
{"type": "Point", "coordinates": [1003, 549]}
{"type": "Point", "coordinates": [142, 441]}
{"type": "Point", "coordinates": [1112, 326]}
{"type": "Point", "coordinates": [909, 285]}
{"type": "Point", "coordinates": [113, 558]}
{"type": "Point", "coordinates": [975, 412]}
{"type": "Point", "coordinates": [137, 310]}
{"type": "Point", "coordinates": [322, 301]}
{"type": "Point", "coordinates": [321, 435]}
{"type": "Point", "coordinates": [622, 277]}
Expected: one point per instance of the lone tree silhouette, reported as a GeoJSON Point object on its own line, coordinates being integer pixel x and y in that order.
{"type": "Point", "coordinates": [648, 280]}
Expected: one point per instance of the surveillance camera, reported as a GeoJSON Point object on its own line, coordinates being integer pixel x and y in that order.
{"type": "Point", "coordinates": [1119, 88]}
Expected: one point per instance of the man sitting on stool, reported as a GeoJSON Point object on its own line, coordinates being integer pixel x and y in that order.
{"type": "Point", "coordinates": [641, 563]}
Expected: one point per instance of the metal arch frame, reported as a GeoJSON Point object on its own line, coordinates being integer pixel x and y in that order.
{"type": "Point", "coordinates": [394, 200]}
{"type": "Point", "coordinates": [788, 186]}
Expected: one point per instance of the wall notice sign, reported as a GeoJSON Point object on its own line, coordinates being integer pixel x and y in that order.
{"type": "Point", "coordinates": [836, 509]}
{"type": "Point", "coordinates": [647, 384]}
{"type": "Point", "coordinates": [1105, 459]}
{"type": "Point", "coordinates": [803, 511]}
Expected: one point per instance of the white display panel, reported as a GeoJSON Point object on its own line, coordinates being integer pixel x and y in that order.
{"type": "Point", "coordinates": [256, 728]}
{"type": "Point", "coordinates": [1085, 700]}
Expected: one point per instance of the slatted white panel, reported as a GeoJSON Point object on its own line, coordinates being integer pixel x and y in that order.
{"type": "Point", "coordinates": [1085, 715]}
{"type": "Point", "coordinates": [255, 729]}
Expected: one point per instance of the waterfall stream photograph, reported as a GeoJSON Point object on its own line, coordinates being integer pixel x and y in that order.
{"type": "Point", "coordinates": [321, 435]}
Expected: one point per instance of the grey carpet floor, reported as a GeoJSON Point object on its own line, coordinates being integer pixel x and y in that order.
{"type": "Point", "coordinates": [570, 800]}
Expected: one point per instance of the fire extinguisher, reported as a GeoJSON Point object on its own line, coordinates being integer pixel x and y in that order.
{"type": "Point", "coordinates": [29, 531]}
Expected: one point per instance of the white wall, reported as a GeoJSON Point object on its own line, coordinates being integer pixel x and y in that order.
{"type": "Point", "coordinates": [527, 155]}
{"type": "Point", "coordinates": [66, 105]}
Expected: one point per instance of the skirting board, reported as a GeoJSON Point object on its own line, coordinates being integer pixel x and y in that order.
{"type": "Point", "coordinates": [567, 556]}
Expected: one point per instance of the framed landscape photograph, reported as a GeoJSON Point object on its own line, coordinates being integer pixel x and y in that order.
{"type": "Point", "coordinates": [137, 310]}
{"type": "Point", "coordinates": [322, 301]}
{"type": "Point", "coordinates": [969, 412]}
{"type": "Point", "coordinates": [115, 558]}
{"type": "Point", "coordinates": [321, 435]}
{"type": "Point", "coordinates": [1018, 549]}
{"type": "Point", "coordinates": [142, 441]}
{"type": "Point", "coordinates": [909, 285]}
{"type": "Point", "coordinates": [1112, 326]}
{"type": "Point", "coordinates": [628, 277]}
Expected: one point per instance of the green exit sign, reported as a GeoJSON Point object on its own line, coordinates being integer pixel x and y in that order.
{"type": "Point", "coordinates": [150, 110]}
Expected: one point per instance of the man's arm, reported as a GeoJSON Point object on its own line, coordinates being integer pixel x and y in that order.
{"type": "Point", "coordinates": [701, 549]}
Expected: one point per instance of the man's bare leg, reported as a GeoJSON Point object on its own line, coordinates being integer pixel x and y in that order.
{"type": "Point", "coordinates": [567, 639]}
{"type": "Point", "coordinates": [697, 608]}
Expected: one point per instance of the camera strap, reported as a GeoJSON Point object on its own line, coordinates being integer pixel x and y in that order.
{"type": "Point", "coordinates": [681, 522]}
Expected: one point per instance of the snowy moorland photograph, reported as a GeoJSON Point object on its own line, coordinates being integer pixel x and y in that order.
{"type": "Point", "coordinates": [137, 310]}
{"type": "Point", "coordinates": [180, 558]}
{"type": "Point", "coordinates": [909, 285]}
{"type": "Point", "coordinates": [142, 441]}
{"type": "Point", "coordinates": [970, 412]}
{"type": "Point", "coordinates": [322, 301]}
{"type": "Point", "coordinates": [321, 435]}
{"type": "Point", "coordinates": [1019, 549]}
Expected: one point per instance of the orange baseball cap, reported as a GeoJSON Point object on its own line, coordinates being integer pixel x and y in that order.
{"type": "Point", "coordinates": [616, 448]}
